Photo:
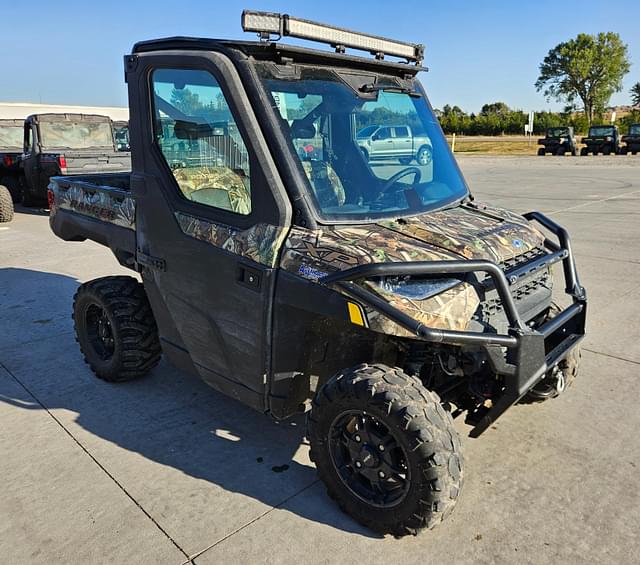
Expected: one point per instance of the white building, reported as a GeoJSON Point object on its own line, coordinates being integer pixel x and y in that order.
{"type": "Point", "coordinates": [20, 110]}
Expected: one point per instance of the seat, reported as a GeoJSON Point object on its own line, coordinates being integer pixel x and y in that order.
{"type": "Point", "coordinates": [325, 182]}
{"type": "Point", "coordinates": [220, 187]}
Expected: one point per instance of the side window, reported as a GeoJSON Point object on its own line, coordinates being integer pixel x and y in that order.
{"type": "Point", "coordinates": [383, 133]}
{"type": "Point", "coordinates": [401, 132]}
{"type": "Point", "coordinates": [199, 139]}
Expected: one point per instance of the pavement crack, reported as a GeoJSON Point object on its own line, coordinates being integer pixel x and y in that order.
{"type": "Point", "coordinates": [249, 523]}
{"type": "Point", "coordinates": [611, 356]}
{"type": "Point", "coordinates": [100, 465]}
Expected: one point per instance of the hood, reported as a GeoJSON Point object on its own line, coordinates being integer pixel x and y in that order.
{"type": "Point", "coordinates": [472, 231]}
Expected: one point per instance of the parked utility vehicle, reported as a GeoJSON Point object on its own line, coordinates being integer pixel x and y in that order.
{"type": "Point", "coordinates": [601, 139]}
{"type": "Point", "coordinates": [631, 140]}
{"type": "Point", "coordinates": [66, 144]}
{"type": "Point", "coordinates": [382, 300]}
{"type": "Point", "coordinates": [10, 154]}
{"type": "Point", "coordinates": [558, 141]}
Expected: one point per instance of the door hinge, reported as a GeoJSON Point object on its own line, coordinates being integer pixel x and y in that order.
{"type": "Point", "coordinates": [154, 263]}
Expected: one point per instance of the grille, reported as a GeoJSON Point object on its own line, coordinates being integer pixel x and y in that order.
{"type": "Point", "coordinates": [521, 259]}
{"type": "Point", "coordinates": [492, 306]}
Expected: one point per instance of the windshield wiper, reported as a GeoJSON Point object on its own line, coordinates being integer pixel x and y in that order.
{"type": "Point", "coordinates": [389, 88]}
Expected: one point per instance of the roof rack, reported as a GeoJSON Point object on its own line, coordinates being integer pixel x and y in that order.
{"type": "Point", "coordinates": [268, 24]}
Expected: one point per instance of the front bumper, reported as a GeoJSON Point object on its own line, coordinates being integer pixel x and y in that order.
{"type": "Point", "coordinates": [530, 352]}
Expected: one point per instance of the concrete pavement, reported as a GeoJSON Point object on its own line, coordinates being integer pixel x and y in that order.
{"type": "Point", "coordinates": [166, 470]}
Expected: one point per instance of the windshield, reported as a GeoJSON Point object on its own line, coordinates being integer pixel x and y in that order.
{"type": "Point", "coordinates": [11, 136]}
{"type": "Point", "coordinates": [557, 132]}
{"type": "Point", "coordinates": [601, 130]}
{"type": "Point", "coordinates": [634, 129]}
{"type": "Point", "coordinates": [366, 155]}
{"type": "Point", "coordinates": [75, 135]}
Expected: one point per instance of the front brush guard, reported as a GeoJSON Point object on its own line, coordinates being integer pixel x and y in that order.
{"type": "Point", "coordinates": [536, 351]}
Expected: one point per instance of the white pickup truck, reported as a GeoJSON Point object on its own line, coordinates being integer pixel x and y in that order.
{"type": "Point", "coordinates": [394, 142]}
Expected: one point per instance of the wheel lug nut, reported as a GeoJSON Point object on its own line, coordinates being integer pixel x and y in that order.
{"type": "Point", "coordinates": [358, 464]}
{"type": "Point", "coordinates": [381, 474]}
{"type": "Point", "coordinates": [358, 438]}
{"type": "Point", "coordinates": [381, 447]}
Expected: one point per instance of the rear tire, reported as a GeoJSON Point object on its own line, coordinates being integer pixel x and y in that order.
{"type": "Point", "coordinates": [424, 155]}
{"type": "Point", "coordinates": [386, 450]}
{"type": "Point", "coordinates": [115, 328]}
{"type": "Point", "coordinates": [541, 152]}
{"type": "Point", "coordinates": [6, 205]}
{"type": "Point", "coordinates": [558, 379]}
{"type": "Point", "coordinates": [584, 152]}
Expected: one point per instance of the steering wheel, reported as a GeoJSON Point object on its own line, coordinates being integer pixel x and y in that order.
{"type": "Point", "coordinates": [401, 174]}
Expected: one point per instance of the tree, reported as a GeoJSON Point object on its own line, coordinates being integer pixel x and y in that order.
{"type": "Point", "coordinates": [589, 68]}
{"type": "Point", "coordinates": [635, 94]}
{"type": "Point", "coordinates": [495, 108]}
{"type": "Point", "coordinates": [186, 101]}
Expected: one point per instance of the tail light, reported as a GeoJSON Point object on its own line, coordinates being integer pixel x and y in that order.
{"type": "Point", "coordinates": [50, 198]}
{"type": "Point", "coordinates": [62, 163]}
{"type": "Point", "coordinates": [8, 160]}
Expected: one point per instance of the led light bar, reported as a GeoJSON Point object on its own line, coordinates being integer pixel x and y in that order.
{"type": "Point", "coordinates": [268, 23]}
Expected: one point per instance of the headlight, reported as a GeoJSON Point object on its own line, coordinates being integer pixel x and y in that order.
{"type": "Point", "coordinates": [608, 138]}
{"type": "Point", "coordinates": [415, 288]}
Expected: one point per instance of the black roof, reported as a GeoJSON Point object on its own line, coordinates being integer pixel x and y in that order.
{"type": "Point", "coordinates": [272, 50]}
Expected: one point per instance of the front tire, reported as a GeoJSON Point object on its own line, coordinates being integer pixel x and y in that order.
{"type": "Point", "coordinates": [584, 152]}
{"type": "Point", "coordinates": [115, 328]}
{"type": "Point", "coordinates": [386, 450]}
{"type": "Point", "coordinates": [541, 152]}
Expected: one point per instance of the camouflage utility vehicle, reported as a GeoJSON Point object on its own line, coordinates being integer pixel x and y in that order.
{"type": "Point", "coordinates": [292, 275]}
{"type": "Point", "coordinates": [10, 154]}
{"type": "Point", "coordinates": [631, 140]}
{"type": "Point", "coordinates": [558, 141]}
{"type": "Point", "coordinates": [601, 139]}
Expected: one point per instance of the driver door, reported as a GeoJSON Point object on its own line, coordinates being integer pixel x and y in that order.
{"type": "Point", "coordinates": [209, 226]}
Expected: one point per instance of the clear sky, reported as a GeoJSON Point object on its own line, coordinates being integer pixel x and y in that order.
{"type": "Point", "coordinates": [70, 52]}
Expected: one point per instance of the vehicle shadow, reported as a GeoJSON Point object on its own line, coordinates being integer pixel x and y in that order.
{"type": "Point", "coordinates": [36, 211]}
{"type": "Point", "coordinates": [168, 417]}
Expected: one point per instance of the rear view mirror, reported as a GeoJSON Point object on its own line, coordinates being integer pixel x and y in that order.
{"type": "Point", "coordinates": [193, 130]}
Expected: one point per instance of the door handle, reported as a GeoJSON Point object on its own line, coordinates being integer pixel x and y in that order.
{"type": "Point", "coordinates": [249, 277]}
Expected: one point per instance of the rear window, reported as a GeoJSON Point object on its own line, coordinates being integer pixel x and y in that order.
{"type": "Point", "coordinates": [11, 136]}
{"type": "Point", "coordinates": [601, 130]}
{"type": "Point", "coordinates": [75, 135]}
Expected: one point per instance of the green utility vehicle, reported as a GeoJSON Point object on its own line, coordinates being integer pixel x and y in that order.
{"type": "Point", "coordinates": [558, 141]}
